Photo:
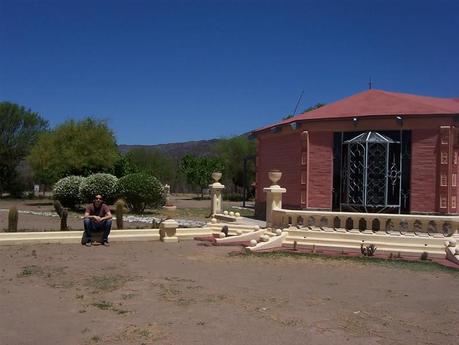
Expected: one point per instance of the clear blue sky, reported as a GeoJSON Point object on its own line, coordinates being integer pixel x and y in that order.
{"type": "Point", "coordinates": [168, 71]}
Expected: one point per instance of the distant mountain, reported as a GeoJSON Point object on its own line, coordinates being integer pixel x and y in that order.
{"type": "Point", "coordinates": [177, 150]}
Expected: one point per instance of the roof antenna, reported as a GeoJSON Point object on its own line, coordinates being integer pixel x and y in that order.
{"type": "Point", "coordinates": [298, 102]}
{"type": "Point", "coordinates": [369, 83]}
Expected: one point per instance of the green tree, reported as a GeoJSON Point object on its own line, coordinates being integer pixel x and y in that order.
{"type": "Point", "coordinates": [19, 129]}
{"type": "Point", "coordinates": [74, 148]}
{"type": "Point", "coordinates": [198, 170]}
{"type": "Point", "coordinates": [232, 151]}
{"type": "Point", "coordinates": [152, 162]}
{"type": "Point", "coordinates": [314, 107]}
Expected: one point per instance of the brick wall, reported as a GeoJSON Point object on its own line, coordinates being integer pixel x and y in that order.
{"type": "Point", "coordinates": [283, 151]}
{"type": "Point", "coordinates": [424, 146]}
{"type": "Point", "coordinates": [280, 151]}
{"type": "Point", "coordinates": [320, 170]}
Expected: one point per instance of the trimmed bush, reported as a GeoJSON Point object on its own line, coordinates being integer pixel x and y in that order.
{"type": "Point", "coordinates": [67, 190]}
{"type": "Point", "coordinates": [141, 190]}
{"type": "Point", "coordinates": [103, 184]}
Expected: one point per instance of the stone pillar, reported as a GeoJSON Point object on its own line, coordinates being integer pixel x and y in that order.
{"type": "Point", "coordinates": [216, 194]}
{"type": "Point", "coordinates": [273, 195]}
{"type": "Point", "coordinates": [168, 231]}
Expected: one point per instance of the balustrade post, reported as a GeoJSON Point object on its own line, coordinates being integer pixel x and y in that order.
{"type": "Point", "coordinates": [168, 231]}
{"type": "Point", "coordinates": [216, 194]}
{"type": "Point", "coordinates": [273, 196]}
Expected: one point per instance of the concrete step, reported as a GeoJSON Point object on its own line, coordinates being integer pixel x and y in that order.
{"type": "Point", "coordinates": [367, 237]}
{"type": "Point", "coordinates": [353, 244]}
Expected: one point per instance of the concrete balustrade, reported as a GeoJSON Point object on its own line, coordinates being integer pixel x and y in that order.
{"type": "Point", "coordinates": [421, 225]}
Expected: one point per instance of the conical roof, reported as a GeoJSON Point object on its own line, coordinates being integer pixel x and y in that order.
{"type": "Point", "coordinates": [378, 103]}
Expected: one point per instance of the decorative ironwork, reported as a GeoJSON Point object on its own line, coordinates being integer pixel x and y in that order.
{"type": "Point", "coordinates": [368, 174]}
{"type": "Point", "coordinates": [394, 174]}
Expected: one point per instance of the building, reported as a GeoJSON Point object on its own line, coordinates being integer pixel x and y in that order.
{"type": "Point", "coordinates": [375, 151]}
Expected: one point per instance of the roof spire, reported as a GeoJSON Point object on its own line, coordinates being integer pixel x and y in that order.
{"type": "Point", "coordinates": [369, 83]}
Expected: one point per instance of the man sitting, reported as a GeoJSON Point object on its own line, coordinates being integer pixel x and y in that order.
{"type": "Point", "coordinates": [97, 217]}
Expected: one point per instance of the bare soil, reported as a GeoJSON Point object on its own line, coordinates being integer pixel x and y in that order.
{"type": "Point", "coordinates": [186, 293]}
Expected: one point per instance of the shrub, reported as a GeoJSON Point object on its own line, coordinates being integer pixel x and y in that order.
{"type": "Point", "coordinates": [67, 190]}
{"type": "Point", "coordinates": [141, 190]}
{"type": "Point", "coordinates": [103, 184]}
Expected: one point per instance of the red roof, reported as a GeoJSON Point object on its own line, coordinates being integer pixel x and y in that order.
{"type": "Point", "coordinates": [379, 103]}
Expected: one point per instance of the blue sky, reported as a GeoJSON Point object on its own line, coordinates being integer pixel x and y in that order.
{"type": "Point", "coordinates": [169, 71]}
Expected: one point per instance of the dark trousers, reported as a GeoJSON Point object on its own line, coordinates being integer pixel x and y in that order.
{"type": "Point", "coordinates": [90, 226]}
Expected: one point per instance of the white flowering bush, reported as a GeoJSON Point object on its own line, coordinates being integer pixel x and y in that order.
{"type": "Point", "coordinates": [103, 184]}
{"type": "Point", "coordinates": [67, 190]}
{"type": "Point", "coordinates": [140, 190]}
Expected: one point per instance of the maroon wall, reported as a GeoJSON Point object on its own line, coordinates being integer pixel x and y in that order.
{"type": "Point", "coordinates": [423, 191]}
{"type": "Point", "coordinates": [320, 181]}
{"type": "Point", "coordinates": [280, 151]}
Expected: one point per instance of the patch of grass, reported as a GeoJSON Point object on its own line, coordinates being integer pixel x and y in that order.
{"type": "Point", "coordinates": [27, 271]}
{"type": "Point", "coordinates": [148, 334]}
{"type": "Point", "coordinates": [62, 284]}
{"type": "Point", "coordinates": [106, 283]}
{"type": "Point", "coordinates": [103, 305]}
{"type": "Point", "coordinates": [95, 339]}
{"type": "Point", "coordinates": [215, 298]}
{"type": "Point", "coordinates": [244, 212]}
{"type": "Point", "coordinates": [120, 311]}
{"type": "Point", "coordinates": [127, 296]}
{"type": "Point", "coordinates": [423, 266]}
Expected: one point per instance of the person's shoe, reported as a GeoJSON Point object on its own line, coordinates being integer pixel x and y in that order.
{"type": "Point", "coordinates": [105, 243]}
{"type": "Point", "coordinates": [88, 244]}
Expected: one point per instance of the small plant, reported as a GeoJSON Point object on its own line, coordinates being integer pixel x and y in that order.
{"type": "Point", "coordinates": [103, 305]}
{"type": "Point", "coordinates": [58, 208]}
{"type": "Point", "coordinates": [95, 339]}
{"type": "Point", "coordinates": [119, 210]}
{"type": "Point", "coordinates": [64, 226]}
{"type": "Point", "coordinates": [62, 213]}
{"type": "Point", "coordinates": [13, 217]}
{"type": "Point", "coordinates": [368, 250]}
{"type": "Point", "coordinates": [27, 271]}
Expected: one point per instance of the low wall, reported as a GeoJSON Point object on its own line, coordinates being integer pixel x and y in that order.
{"type": "Point", "coordinates": [374, 222]}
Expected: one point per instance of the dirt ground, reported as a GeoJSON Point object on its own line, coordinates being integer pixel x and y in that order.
{"type": "Point", "coordinates": [186, 293]}
{"type": "Point", "coordinates": [29, 222]}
